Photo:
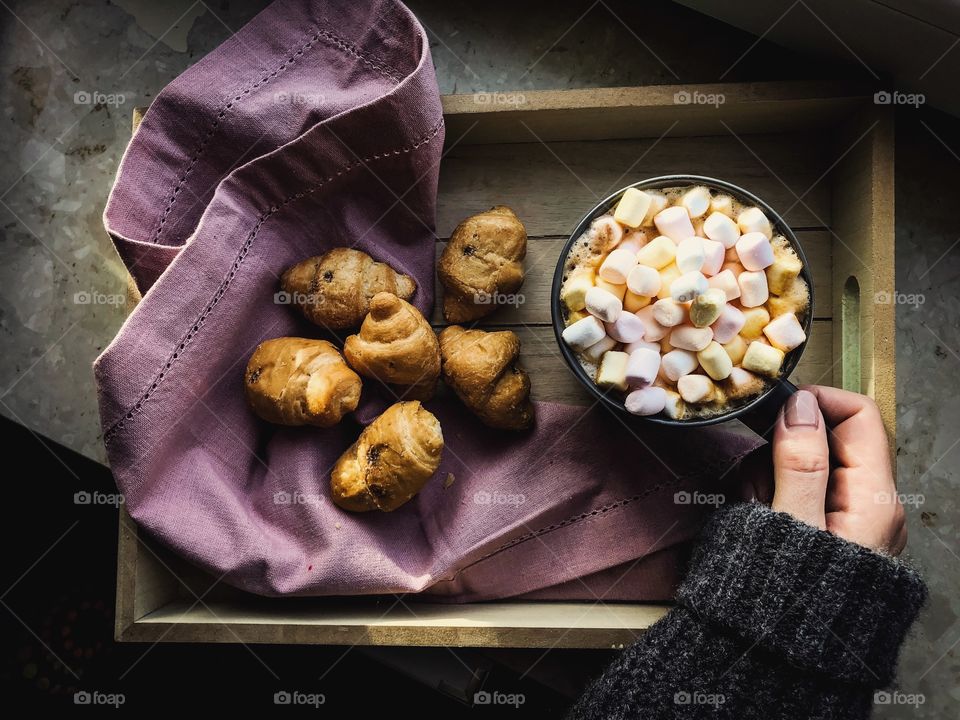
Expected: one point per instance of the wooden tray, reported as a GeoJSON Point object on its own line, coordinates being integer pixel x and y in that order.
{"type": "Point", "coordinates": [820, 154]}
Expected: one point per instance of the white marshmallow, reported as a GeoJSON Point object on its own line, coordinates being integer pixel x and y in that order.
{"type": "Point", "coordinates": [677, 363]}
{"type": "Point", "coordinates": [715, 361]}
{"type": "Point", "coordinates": [726, 280]}
{"type": "Point", "coordinates": [617, 266]}
{"type": "Point", "coordinates": [686, 287]}
{"type": "Point", "coordinates": [646, 401]}
{"type": "Point", "coordinates": [762, 359]}
{"type": "Point", "coordinates": [714, 256]}
{"type": "Point", "coordinates": [630, 348]}
{"type": "Point", "coordinates": [722, 204]}
{"type": "Point", "coordinates": [753, 288]}
{"type": "Point", "coordinates": [642, 367]}
{"type": "Point", "coordinates": [696, 201]}
{"type": "Point", "coordinates": [696, 388]}
{"type": "Point", "coordinates": [688, 337]}
{"type": "Point", "coordinates": [754, 251]}
{"type": "Point", "coordinates": [690, 254]}
{"type": "Point", "coordinates": [728, 325]}
{"type": "Point", "coordinates": [658, 201]}
{"type": "Point", "coordinates": [657, 253]}
{"type": "Point", "coordinates": [643, 280]}
{"type": "Point", "coordinates": [742, 382]}
{"type": "Point", "coordinates": [674, 222]}
{"type": "Point", "coordinates": [632, 208]}
{"type": "Point", "coordinates": [608, 233]}
{"type": "Point", "coordinates": [668, 312]}
{"type": "Point", "coordinates": [584, 333]}
{"type": "Point", "coordinates": [603, 304]}
{"type": "Point", "coordinates": [627, 328]}
{"type": "Point", "coordinates": [785, 332]}
{"type": "Point", "coordinates": [720, 227]}
{"type": "Point", "coordinates": [612, 371]}
{"type": "Point", "coordinates": [753, 220]}
{"type": "Point", "coordinates": [652, 330]}
{"type": "Point", "coordinates": [596, 351]}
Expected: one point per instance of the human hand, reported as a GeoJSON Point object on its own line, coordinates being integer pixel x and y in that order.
{"type": "Point", "coordinates": [855, 497]}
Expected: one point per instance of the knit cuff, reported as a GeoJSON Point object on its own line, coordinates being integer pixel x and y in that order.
{"type": "Point", "coordinates": [821, 602]}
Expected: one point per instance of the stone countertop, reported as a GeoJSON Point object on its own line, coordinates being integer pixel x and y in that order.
{"type": "Point", "coordinates": [73, 71]}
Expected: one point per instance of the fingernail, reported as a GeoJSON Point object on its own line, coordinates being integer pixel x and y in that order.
{"type": "Point", "coordinates": [802, 410]}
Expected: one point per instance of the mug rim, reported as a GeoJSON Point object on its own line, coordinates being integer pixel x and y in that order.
{"type": "Point", "coordinates": [660, 182]}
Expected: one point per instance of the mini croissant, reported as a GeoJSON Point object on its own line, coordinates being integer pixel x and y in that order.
{"type": "Point", "coordinates": [396, 345]}
{"type": "Point", "coordinates": [299, 381]}
{"type": "Point", "coordinates": [482, 261]}
{"type": "Point", "coordinates": [391, 460]}
{"type": "Point", "coordinates": [483, 369]}
{"type": "Point", "coordinates": [334, 289]}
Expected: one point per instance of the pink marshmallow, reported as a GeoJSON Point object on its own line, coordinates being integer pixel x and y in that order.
{"type": "Point", "coordinates": [629, 348]}
{"type": "Point", "coordinates": [755, 251]}
{"type": "Point", "coordinates": [753, 288]}
{"type": "Point", "coordinates": [652, 330]}
{"type": "Point", "coordinates": [714, 255]}
{"type": "Point", "coordinates": [643, 280]}
{"type": "Point", "coordinates": [726, 280]}
{"type": "Point", "coordinates": [728, 325]}
{"type": "Point", "coordinates": [627, 328]}
{"type": "Point", "coordinates": [617, 266]}
{"type": "Point", "coordinates": [646, 401]}
{"type": "Point", "coordinates": [642, 367]}
{"type": "Point", "coordinates": [674, 222]}
{"type": "Point", "coordinates": [633, 241]}
{"type": "Point", "coordinates": [677, 363]}
{"type": "Point", "coordinates": [785, 332]}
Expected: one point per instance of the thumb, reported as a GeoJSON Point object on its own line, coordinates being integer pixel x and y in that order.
{"type": "Point", "coordinates": [801, 460]}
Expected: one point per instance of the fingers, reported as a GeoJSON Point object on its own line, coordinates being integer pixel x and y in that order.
{"type": "Point", "coordinates": [801, 460]}
{"type": "Point", "coordinates": [858, 436]}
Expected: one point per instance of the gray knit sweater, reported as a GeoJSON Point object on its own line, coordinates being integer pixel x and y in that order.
{"type": "Point", "coordinates": [775, 619]}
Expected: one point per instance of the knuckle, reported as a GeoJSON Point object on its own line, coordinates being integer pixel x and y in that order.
{"type": "Point", "coordinates": [802, 463]}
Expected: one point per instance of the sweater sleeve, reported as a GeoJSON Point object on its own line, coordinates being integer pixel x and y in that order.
{"type": "Point", "coordinates": [775, 619]}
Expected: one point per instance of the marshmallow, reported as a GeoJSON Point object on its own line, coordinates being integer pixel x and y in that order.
{"type": "Point", "coordinates": [763, 359]}
{"type": "Point", "coordinates": [753, 220]}
{"type": "Point", "coordinates": [652, 330]}
{"type": "Point", "coordinates": [742, 383]}
{"type": "Point", "coordinates": [698, 227]}
{"type": "Point", "coordinates": [696, 201]}
{"type": "Point", "coordinates": [696, 388]}
{"type": "Point", "coordinates": [658, 253]}
{"type": "Point", "coordinates": [670, 273]}
{"type": "Point", "coordinates": [573, 293]}
{"type": "Point", "coordinates": [707, 306]}
{"type": "Point", "coordinates": [677, 363]}
{"type": "Point", "coordinates": [674, 222]}
{"type": "Point", "coordinates": [626, 328]}
{"type": "Point", "coordinates": [736, 349]}
{"type": "Point", "coordinates": [715, 361]}
{"type": "Point", "coordinates": [607, 233]}
{"type": "Point", "coordinates": [674, 408]}
{"type": "Point", "coordinates": [785, 332]}
{"type": "Point", "coordinates": [633, 241]}
{"type": "Point", "coordinates": [596, 351]}
{"type": "Point", "coordinates": [617, 291]}
{"type": "Point", "coordinates": [688, 337]}
{"type": "Point", "coordinates": [728, 325]}
{"type": "Point", "coordinates": [785, 268]}
{"type": "Point", "coordinates": [658, 201]}
{"type": "Point", "coordinates": [722, 204]}
{"type": "Point", "coordinates": [612, 373]}
{"type": "Point", "coordinates": [753, 288]}
{"type": "Point", "coordinates": [713, 257]}
{"type": "Point", "coordinates": [603, 304]}
{"type": "Point", "coordinates": [646, 401]}
{"type": "Point", "coordinates": [629, 348]}
{"type": "Point", "coordinates": [617, 265]}
{"type": "Point", "coordinates": [721, 228]}
{"type": "Point", "coordinates": [632, 208]}
{"type": "Point", "coordinates": [754, 251]}
{"type": "Point", "coordinates": [690, 254]}
{"type": "Point", "coordinates": [643, 280]}
{"type": "Point", "coordinates": [584, 333]}
{"type": "Point", "coordinates": [734, 265]}
{"type": "Point", "coordinates": [577, 315]}
{"type": "Point", "coordinates": [668, 312]}
{"type": "Point", "coordinates": [633, 302]}
{"type": "Point", "coordinates": [755, 320]}
{"type": "Point", "coordinates": [689, 285]}
{"type": "Point", "coordinates": [726, 280]}
{"type": "Point", "coordinates": [642, 367]}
